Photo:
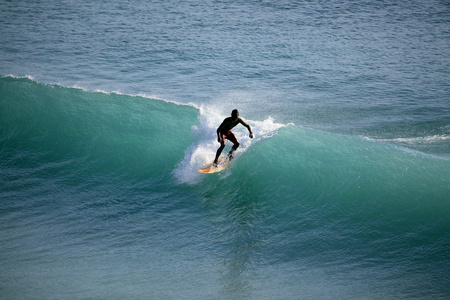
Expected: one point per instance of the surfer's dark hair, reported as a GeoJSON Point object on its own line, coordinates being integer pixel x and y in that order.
{"type": "Point", "coordinates": [234, 112]}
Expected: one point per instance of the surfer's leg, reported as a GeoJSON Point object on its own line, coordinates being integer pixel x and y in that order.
{"type": "Point", "coordinates": [231, 137]}
{"type": "Point", "coordinates": [219, 151]}
{"type": "Point", "coordinates": [235, 146]}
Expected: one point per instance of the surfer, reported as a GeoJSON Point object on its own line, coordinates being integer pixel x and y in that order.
{"type": "Point", "coordinates": [224, 132]}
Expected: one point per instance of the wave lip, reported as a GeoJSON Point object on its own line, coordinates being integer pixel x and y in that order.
{"type": "Point", "coordinates": [420, 139]}
{"type": "Point", "coordinates": [431, 145]}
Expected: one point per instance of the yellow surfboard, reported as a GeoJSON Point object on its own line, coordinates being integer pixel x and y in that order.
{"type": "Point", "coordinates": [209, 168]}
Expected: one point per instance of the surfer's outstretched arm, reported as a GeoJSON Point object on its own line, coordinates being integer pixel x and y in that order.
{"type": "Point", "coordinates": [248, 127]}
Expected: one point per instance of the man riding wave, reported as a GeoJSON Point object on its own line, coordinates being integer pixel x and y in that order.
{"type": "Point", "coordinates": [224, 132]}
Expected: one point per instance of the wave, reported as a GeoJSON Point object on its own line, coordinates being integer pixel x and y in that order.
{"type": "Point", "coordinates": [98, 135]}
{"type": "Point", "coordinates": [121, 171]}
{"type": "Point", "coordinates": [75, 136]}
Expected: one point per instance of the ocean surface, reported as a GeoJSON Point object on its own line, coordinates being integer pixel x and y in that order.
{"type": "Point", "coordinates": [109, 108]}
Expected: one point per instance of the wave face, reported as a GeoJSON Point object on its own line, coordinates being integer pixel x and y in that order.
{"type": "Point", "coordinates": [106, 185]}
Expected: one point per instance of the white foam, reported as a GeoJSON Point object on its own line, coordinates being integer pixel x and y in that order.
{"type": "Point", "coordinates": [414, 140]}
{"type": "Point", "coordinates": [20, 77]}
{"type": "Point", "coordinates": [205, 145]}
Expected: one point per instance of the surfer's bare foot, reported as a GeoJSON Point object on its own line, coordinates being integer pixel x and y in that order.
{"type": "Point", "coordinates": [215, 164]}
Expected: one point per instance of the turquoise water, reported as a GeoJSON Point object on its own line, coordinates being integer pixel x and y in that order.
{"type": "Point", "coordinates": [101, 198]}
{"type": "Point", "coordinates": [109, 108]}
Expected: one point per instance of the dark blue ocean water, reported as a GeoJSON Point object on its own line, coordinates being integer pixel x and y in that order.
{"type": "Point", "coordinates": [108, 109]}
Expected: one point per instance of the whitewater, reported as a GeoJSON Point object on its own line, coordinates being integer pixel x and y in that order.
{"type": "Point", "coordinates": [109, 108]}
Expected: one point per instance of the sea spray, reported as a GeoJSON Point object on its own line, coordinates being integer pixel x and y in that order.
{"type": "Point", "coordinates": [205, 145]}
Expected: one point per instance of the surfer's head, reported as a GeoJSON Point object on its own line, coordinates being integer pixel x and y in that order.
{"type": "Point", "coordinates": [234, 114]}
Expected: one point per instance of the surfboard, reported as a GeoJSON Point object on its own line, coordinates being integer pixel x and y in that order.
{"type": "Point", "coordinates": [209, 168]}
